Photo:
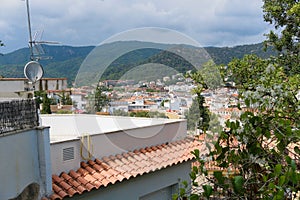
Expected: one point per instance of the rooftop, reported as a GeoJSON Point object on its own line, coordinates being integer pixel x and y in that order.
{"type": "Point", "coordinates": [70, 127]}
{"type": "Point", "coordinates": [97, 173]}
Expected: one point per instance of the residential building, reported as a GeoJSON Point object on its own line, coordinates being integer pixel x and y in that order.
{"type": "Point", "coordinates": [20, 88]}
{"type": "Point", "coordinates": [115, 157]}
{"type": "Point", "coordinates": [91, 156]}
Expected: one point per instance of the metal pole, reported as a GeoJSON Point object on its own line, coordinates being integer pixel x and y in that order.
{"type": "Point", "coordinates": [29, 29]}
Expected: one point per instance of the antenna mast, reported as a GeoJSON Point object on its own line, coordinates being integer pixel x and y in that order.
{"type": "Point", "coordinates": [29, 29]}
{"type": "Point", "coordinates": [35, 45]}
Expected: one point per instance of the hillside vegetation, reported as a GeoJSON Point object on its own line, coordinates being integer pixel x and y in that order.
{"type": "Point", "coordinates": [66, 60]}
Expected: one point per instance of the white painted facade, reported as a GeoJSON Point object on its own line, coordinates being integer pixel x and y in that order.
{"type": "Point", "coordinates": [107, 135]}
{"type": "Point", "coordinates": [25, 161]}
{"type": "Point", "coordinates": [20, 88]}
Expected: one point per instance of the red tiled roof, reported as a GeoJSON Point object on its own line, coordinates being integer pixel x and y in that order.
{"type": "Point", "coordinates": [97, 173]}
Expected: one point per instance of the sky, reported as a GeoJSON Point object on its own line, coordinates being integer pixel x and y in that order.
{"type": "Point", "coordinates": [90, 22]}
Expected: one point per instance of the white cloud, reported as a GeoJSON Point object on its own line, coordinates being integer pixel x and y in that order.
{"type": "Point", "coordinates": [79, 22]}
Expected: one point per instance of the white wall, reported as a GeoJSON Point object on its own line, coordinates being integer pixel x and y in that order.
{"type": "Point", "coordinates": [11, 86]}
{"type": "Point", "coordinates": [143, 187]}
{"type": "Point", "coordinates": [25, 159]}
{"type": "Point", "coordinates": [114, 142]}
{"type": "Point", "coordinates": [19, 84]}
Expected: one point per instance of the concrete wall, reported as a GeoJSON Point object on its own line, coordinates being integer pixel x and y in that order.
{"type": "Point", "coordinates": [113, 143]}
{"type": "Point", "coordinates": [11, 86]}
{"type": "Point", "coordinates": [21, 84]}
{"type": "Point", "coordinates": [159, 185]}
{"type": "Point", "coordinates": [58, 164]}
{"type": "Point", "coordinates": [25, 160]}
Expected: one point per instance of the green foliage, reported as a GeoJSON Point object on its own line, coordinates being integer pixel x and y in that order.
{"type": "Point", "coordinates": [198, 115]}
{"type": "Point", "coordinates": [214, 124]}
{"type": "Point", "coordinates": [207, 191]}
{"type": "Point", "coordinates": [100, 98]}
{"type": "Point", "coordinates": [64, 112]}
{"type": "Point", "coordinates": [285, 39]}
{"type": "Point", "coordinates": [152, 90]}
{"type": "Point", "coordinates": [66, 60]}
{"type": "Point", "coordinates": [120, 113]}
{"type": "Point", "coordinates": [211, 76]}
{"type": "Point", "coordinates": [65, 99]}
{"type": "Point", "coordinates": [224, 55]}
{"type": "Point", "coordinates": [147, 114]}
{"type": "Point", "coordinates": [259, 152]}
{"type": "Point", "coordinates": [42, 98]}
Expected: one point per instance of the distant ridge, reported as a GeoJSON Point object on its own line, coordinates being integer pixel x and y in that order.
{"type": "Point", "coordinates": [66, 60]}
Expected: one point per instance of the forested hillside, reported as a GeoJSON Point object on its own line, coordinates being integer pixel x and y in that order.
{"type": "Point", "coordinates": [66, 60]}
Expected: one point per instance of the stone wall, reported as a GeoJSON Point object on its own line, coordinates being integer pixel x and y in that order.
{"type": "Point", "coordinates": [18, 115]}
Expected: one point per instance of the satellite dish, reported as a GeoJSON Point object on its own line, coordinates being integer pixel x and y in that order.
{"type": "Point", "coordinates": [33, 71]}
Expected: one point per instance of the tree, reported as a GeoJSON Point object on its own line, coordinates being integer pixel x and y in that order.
{"type": "Point", "coordinates": [197, 115]}
{"type": "Point", "coordinates": [211, 76]}
{"type": "Point", "coordinates": [259, 153]}
{"type": "Point", "coordinates": [285, 15]}
{"type": "Point", "coordinates": [42, 98]}
{"type": "Point", "coordinates": [65, 99]}
{"type": "Point", "coordinates": [214, 124]}
{"type": "Point", "coordinates": [202, 80]}
{"type": "Point", "coordinates": [100, 98]}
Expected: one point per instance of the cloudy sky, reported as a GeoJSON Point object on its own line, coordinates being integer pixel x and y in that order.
{"type": "Point", "coordinates": [89, 22]}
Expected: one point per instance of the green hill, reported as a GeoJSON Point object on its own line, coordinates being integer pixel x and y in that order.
{"type": "Point", "coordinates": [66, 60]}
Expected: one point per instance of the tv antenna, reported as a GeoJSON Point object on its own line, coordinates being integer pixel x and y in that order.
{"type": "Point", "coordinates": [35, 46]}
{"type": "Point", "coordinates": [33, 70]}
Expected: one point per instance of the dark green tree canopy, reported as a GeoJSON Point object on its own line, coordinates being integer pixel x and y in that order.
{"type": "Point", "coordinates": [285, 15]}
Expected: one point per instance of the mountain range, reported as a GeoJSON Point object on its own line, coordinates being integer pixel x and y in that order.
{"type": "Point", "coordinates": [66, 60]}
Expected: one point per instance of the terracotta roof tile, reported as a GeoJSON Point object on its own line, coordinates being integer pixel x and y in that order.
{"type": "Point", "coordinates": [82, 181]}
{"type": "Point", "coordinates": [62, 194]}
{"type": "Point", "coordinates": [71, 192]}
{"type": "Point", "coordinates": [74, 183]}
{"type": "Point", "coordinates": [82, 171]}
{"type": "Point", "coordinates": [55, 197]}
{"type": "Point", "coordinates": [80, 189]}
{"type": "Point", "coordinates": [89, 186]}
{"type": "Point", "coordinates": [99, 176]}
{"type": "Point", "coordinates": [97, 167]}
{"type": "Point", "coordinates": [72, 173]}
{"type": "Point", "coordinates": [56, 179]}
{"type": "Point", "coordinates": [90, 178]}
{"type": "Point", "coordinates": [65, 186]}
{"type": "Point", "coordinates": [105, 182]}
{"type": "Point", "coordinates": [65, 176]}
{"type": "Point", "coordinates": [111, 169]}
{"type": "Point", "coordinates": [55, 188]}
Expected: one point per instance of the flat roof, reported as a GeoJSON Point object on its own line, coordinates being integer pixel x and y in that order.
{"type": "Point", "coordinates": [65, 127]}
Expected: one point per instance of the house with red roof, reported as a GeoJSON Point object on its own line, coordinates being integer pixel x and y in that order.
{"type": "Point", "coordinates": [93, 157]}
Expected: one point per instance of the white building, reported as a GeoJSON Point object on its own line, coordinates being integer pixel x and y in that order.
{"type": "Point", "coordinates": [92, 157]}
{"type": "Point", "coordinates": [117, 157]}
{"type": "Point", "coordinates": [20, 88]}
